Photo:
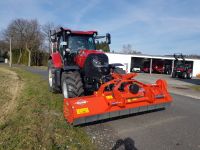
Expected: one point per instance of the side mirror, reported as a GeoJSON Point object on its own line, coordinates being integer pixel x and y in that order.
{"type": "Point", "coordinates": [52, 34]}
{"type": "Point", "coordinates": [108, 38]}
{"type": "Point", "coordinates": [53, 38]}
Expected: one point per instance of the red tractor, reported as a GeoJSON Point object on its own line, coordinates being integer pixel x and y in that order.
{"type": "Point", "coordinates": [75, 67]}
{"type": "Point", "coordinates": [146, 67]}
{"type": "Point", "coordinates": [158, 67]}
{"type": "Point", "coordinates": [181, 69]}
{"type": "Point", "coordinates": [92, 88]}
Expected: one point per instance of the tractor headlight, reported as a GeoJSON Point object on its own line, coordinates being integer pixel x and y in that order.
{"type": "Point", "coordinates": [96, 63]}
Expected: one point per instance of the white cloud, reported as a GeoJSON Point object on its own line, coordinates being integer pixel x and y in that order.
{"type": "Point", "coordinates": [85, 9]}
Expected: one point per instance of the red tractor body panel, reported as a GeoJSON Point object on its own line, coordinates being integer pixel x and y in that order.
{"type": "Point", "coordinates": [146, 69]}
{"type": "Point", "coordinates": [84, 32]}
{"type": "Point", "coordinates": [57, 60]}
{"type": "Point", "coordinates": [158, 68]}
{"type": "Point", "coordinates": [79, 59]}
{"type": "Point", "coordinates": [83, 54]}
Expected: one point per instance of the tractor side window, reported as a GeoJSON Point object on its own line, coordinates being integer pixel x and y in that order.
{"type": "Point", "coordinates": [91, 43]}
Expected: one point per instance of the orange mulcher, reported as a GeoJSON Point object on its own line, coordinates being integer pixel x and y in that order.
{"type": "Point", "coordinates": [128, 96]}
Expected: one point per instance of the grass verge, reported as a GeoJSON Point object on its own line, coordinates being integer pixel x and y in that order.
{"type": "Point", "coordinates": [38, 122]}
{"type": "Point", "coordinates": [196, 87]}
{"type": "Point", "coordinates": [5, 85]}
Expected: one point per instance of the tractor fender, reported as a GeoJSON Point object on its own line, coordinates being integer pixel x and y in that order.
{"type": "Point", "coordinates": [56, 60]}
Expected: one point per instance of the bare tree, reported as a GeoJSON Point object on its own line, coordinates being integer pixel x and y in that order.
{"type": "Point", "coordinates": [45, 29]}
{"type": "Point", "coordinates": [4, 46]}
{"type": "Point", "coordinates": [33, 37]}
{"type": "Point", "coordinates": [25, 34]}
{"type": "Point", "coordinates": [127, 49]}
{"type": "Point", "coordinates": [15, 31]}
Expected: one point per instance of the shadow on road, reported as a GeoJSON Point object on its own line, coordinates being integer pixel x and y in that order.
{"type": "Point", "coordinates": [126, 144]}
{"type": "Point", "coordinates": [192, 81]}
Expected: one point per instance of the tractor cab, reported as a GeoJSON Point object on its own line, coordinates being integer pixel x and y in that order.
{"type": "Point", "coordinates": [80, 42]}
{"type": "Point", "coordinates": [69, 44]}
{"type": "Point", "coordinates": [73, 41]}
{"type": "Point", "coordinates": [75, 51]}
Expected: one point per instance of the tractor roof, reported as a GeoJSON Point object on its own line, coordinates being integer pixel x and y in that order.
{"type": "Point", "coordinates": [61, 29]}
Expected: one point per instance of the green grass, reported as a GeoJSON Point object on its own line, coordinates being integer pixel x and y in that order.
{"type": "Point", "coordinates": [4, 85]}
{"type": "Point", "coordinates": [196, 87]}
{"type": "Point", "coordinates": [38, 121]}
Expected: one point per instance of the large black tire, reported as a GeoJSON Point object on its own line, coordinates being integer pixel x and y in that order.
{"type": "Point", "coordinates": [184, 75]}
{"type": "Point", "coordinates": [189, 75]}
{"type": "Point", "coordinates": [72, 85]}
{"type": "Point", "coordinates": [119, 70]}
{"type": "Point", "coordinates": [168, 71]}
{"type": "Point", "coordinates": [173, 74]}
{"type": "Point", "coordinates": [52, 86]}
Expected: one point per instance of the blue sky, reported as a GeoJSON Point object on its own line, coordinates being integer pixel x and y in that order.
{"type": "Point", "coordinates": [150, 26]}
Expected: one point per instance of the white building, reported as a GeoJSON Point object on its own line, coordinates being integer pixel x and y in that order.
{"type": "Point", "coordinates": [129, 60]}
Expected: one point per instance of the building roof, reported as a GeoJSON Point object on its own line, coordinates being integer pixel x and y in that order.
{"type": "Point", "coordinates": [153, 56]}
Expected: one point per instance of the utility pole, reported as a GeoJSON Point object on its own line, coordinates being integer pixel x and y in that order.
{"type": "Point", "coordinates": [10, 53]}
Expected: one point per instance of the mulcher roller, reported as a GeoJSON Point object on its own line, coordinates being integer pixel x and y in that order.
{"type": "Point", "coordinates": [128, 96]}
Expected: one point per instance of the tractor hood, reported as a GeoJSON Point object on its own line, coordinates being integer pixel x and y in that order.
{"type": "Point", "coordinates": [83, 54]}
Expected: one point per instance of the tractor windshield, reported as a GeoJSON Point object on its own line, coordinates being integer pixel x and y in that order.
{"type": "Point", "coordinates": [81, 42]}
{"type": "Point", "coordinates": [180, 65]}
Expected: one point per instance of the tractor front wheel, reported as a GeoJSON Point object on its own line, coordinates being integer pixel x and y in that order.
{"type": "Point", "coordinates": [72, 85]}
{"type": "Point", "coordinates": [52, 87]}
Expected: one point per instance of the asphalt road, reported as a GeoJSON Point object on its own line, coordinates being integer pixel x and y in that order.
{"type": "Point", "coordinates": [177, 128]}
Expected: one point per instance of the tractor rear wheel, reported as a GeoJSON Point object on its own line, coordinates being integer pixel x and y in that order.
{"type": "Point", "coordinates": [184, 75]}
{"type": "Point", "coordinates": [168, 72]}
{"type": "Point", "coordinates": [189, 76]}
{"type": "Point", "coordinates": [173, 74]}
{"type": "Point", "coordinates": [72, 85]}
